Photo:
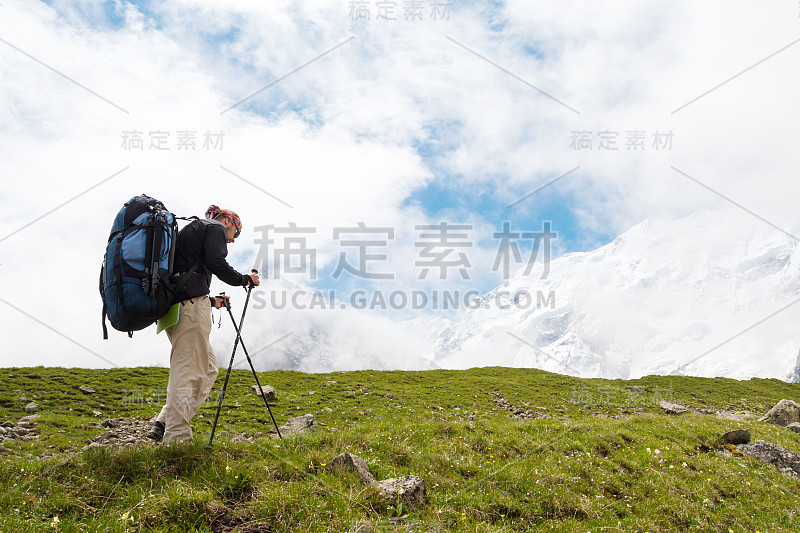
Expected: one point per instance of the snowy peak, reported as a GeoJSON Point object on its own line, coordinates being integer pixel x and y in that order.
{"type": "Point", "coordinates": [664, 297]}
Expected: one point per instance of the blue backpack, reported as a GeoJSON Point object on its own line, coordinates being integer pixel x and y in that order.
{"type": "Point", "coordinates": [136, 277]}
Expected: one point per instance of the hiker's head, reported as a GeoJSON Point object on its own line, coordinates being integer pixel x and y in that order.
{"type": "Point", "coordinates": [229, 219]}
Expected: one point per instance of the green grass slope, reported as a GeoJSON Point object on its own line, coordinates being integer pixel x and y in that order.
{"type": "Point", "coordinates": [604, 459]}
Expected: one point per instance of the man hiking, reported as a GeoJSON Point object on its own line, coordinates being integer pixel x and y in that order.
{"type": "Point", "coordinates": [201, 251]}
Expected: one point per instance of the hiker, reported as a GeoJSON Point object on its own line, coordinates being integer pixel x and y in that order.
{"type": "Point", "coordinates": [201, 251]}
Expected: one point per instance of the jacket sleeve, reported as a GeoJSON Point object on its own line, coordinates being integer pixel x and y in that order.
{"type": "Point", "coordinates": [216, 249]}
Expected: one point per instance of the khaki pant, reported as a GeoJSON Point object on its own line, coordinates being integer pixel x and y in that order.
{"type": "Point", "coordinates": [192, 369]}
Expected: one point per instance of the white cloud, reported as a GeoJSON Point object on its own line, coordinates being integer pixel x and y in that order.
{"type": "Point", "coordinates": [337, 140]}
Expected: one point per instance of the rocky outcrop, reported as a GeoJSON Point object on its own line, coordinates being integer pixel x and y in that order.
{"type": "Point", "coordinates": [24, 430]}
{"type": "Point", "coordinates": [783, 413]}
{"type": "Point", "coordinates": [518, 412]}
{"type": "Point", "coordinates": [786, 461]}
{"type": "Point", "coordinates": [737, 436]}
{"type": "Point", "coordinates": [736, 416]}
{"type": "Point", "coordinates": [297, 426]}
{"type": "Point", "coordinates": [408, 490]}
{"type": "Point", "coordinates": [123, 432]}
{"type": "Point", "coordinates": [671, 408]}
{"type": "Point", "coordinates": [347, 462]}
{"type": "Point", "coordinates": [268, 392]}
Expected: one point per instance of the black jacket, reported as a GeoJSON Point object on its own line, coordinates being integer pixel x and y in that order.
{"type": "Point", "coordinates": [203, 241]}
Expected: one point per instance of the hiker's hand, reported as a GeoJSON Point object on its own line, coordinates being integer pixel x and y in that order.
{"type": "Point", "coordinates": [220, 301]}
{"type": "Point", "coordinates": [254, 281]}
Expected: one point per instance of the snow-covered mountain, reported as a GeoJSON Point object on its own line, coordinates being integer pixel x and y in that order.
{"type": "Point", "coordinates": [666, 297]}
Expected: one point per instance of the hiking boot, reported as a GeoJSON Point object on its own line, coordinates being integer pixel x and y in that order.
{"type": "Point", "coordinates": [158, 431]}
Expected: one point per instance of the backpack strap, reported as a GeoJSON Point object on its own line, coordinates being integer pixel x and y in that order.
{"type": "Point", "coordinates": [118, 270]}
{"type": "Point", "coordinates": [153, 253]}
{"type": "Point", "coordinates": [105, 329]}
{"type": "Point", "coordinates": [105, 306]}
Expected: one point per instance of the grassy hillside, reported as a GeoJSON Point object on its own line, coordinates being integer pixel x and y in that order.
{"type": "Point", "coordinates": [598, 456]}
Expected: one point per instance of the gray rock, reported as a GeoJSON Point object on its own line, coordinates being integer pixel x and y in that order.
{"type": "Point", "coordinates": [3, 431]}
{"type": "Point", "coordinates": [4, 450]}
{"type": "Point", "coordinates": [24, 424]}
{"type": "Point", "coordinates": [786, 461]}
{"type": "Point", "coordinates": [298, 425]}
{"type": "Point", "coordinates": [737, 436]}
{"type": "Point", "coordinates": [86, 390]}
{"type": "Point", "coordinates": [672, 408]}
{"type": "Point", "coordinates": [269, 392]}
{"type": "Point", "coordinates": [97, 414]}
{"type": "Point", "coordinates": [7, 424]}
{"type": "Point", "coordinates": [794, 426]}
{"type": "Point", "coordinates": [32, 408]}
{"type": "Point", "coordinates": [30, 418]}
{"type": "Point", "coordinates": [20, 431]}
{"type": "Point", "coordinates": [347, 462]}
{"type": "Point", "coordinates": [408, 490]}
{"type": "Point", "coordinates": [783, 413]}
{"type": "Point", "coordinates": [736, 416]}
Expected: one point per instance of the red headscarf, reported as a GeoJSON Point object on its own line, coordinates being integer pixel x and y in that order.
{"type": "Point", "coordinates": [213, 212]}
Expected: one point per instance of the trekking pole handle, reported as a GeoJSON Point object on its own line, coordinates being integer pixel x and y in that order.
{"type": "Point", "coordinates": [250, 286]}
{"type": "Point", "coordinates": [225, 301]}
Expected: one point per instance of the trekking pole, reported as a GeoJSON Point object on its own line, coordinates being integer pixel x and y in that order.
{"type": "Point", "coordinates": [255, 375]}
{"type": "Point", "coordinates": [230, 367]}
